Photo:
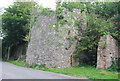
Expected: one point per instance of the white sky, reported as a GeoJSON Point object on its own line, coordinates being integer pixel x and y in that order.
{"type": "Point", "coordinates": [45, 3]}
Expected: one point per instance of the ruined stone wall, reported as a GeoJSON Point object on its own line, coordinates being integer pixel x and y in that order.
{"type": "Point", "coordinates": [107, 51]}
{"type": "Point", "coordinates": [53, 43]}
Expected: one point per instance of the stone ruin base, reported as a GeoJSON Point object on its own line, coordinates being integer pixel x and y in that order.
{"type": "Point", "coordinates": [108, 51]}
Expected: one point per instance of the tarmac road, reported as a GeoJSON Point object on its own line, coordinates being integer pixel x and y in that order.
{"type": "Point", "coordinates": [10, 71]}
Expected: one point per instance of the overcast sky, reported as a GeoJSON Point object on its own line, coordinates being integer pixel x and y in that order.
{"type": "Point", "coordinates": [45, 3]}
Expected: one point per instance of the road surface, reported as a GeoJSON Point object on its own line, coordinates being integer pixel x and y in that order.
{"type": "Point", "coordinates": [10, 71]}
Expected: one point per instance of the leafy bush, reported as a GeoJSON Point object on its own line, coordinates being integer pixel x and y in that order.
{"type": "Point", "coordinates": [42, 66]}
{"type": "Point", "coordinates": [46, 12]}
{"type": "Point", "coordinates": [115, 67]}
{"type": "Point", "coordinates": [59, 11]}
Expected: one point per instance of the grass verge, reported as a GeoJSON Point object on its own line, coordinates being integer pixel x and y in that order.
{"type": "Point", "coordinates": [83, 71]}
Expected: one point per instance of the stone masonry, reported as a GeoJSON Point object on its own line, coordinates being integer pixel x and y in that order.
{"type": "Point", "coordinates": [107, 51]}
{"type": "Point", "coordinates": [54, 48]}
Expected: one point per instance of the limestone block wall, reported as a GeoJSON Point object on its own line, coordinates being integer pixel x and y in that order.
{"type": "Point", "coordinates": [107, 51]}
{"type": "Point", "coordinates": [53, 44]}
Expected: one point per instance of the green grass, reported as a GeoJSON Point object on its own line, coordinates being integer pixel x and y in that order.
{"type": "Point", "coordinates": [19, 63]}
{"type": "Point", "coordinates": [87, 71]}
{"type": "Point", "coordinates": [83, 71]}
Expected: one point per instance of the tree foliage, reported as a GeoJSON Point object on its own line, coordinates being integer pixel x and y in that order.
{"type": "Point", "coordinates": [16, 23]}
{"type": "Point", "coordinates": [102, 18]}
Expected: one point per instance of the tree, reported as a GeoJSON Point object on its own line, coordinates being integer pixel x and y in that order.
{"type": "Point", "coordinates": [108, 11]}
{"type": "Point", "coordinates": [16, 24]}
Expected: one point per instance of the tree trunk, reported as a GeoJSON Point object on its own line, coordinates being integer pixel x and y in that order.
{"type": "Point", "coordinates": [8, 53]}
